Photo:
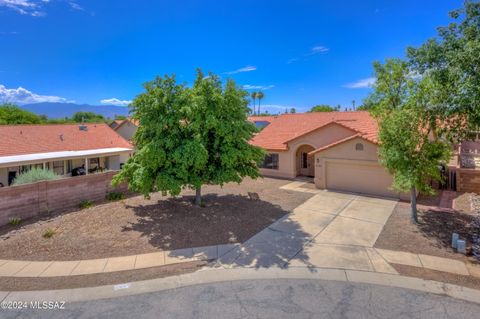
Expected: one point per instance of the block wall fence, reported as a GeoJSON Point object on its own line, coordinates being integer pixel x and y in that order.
{"type": "Point", "coordinates": [29, 200]}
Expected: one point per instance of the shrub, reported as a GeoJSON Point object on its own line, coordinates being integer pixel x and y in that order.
{"type": "Point", "coordinates": [15, 221]}
{"type": "Point", "coordinates": [48, 233]}
{"type": "Point", "coordinates": [115, 196]}
{"type": "Point", "coordinates": [35, 175]}
{"type": "Point", "coordinates": [86, 204]}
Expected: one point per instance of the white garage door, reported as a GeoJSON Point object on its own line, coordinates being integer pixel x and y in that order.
{"type": "Point", "coordinates": [358, 178]}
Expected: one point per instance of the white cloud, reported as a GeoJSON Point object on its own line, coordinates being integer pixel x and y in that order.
{"type": "Point", "coordinates": [258, 87]}
{"type": "Point", "coordinates": [115, 101]}
{"type": "Point", "coordinates": [26, 7]}
{"type": "Point", "coordinates": [24, 96]}
{"type": "Point", "coordinates": [247, 68]}
{"type": "Point", "coordinates": [319, 49]}
{"type": "Point", "coordinates": [75, 6]}
{"type": "Point", "coordinates": [361, 84]}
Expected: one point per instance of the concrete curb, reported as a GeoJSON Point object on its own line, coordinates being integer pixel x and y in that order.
{"type": "Point", "coordinates": [213, 275]}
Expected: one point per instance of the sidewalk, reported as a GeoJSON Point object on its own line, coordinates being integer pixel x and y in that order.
{"type": "Point", "coordinates": [330, 230]}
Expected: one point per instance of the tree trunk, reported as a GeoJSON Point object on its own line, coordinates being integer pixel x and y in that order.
{"type": "Point", "coordinates": [198, 196]}
{"type": "Point", "coordinates": [258, 106]}
{"type": "Point", "coordinates": [413, 200]}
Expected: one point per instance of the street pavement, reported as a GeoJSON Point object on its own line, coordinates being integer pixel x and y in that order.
{"type": "Point", "coordinates": [273, 298]}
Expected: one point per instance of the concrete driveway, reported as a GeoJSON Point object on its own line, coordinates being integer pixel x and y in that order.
{"type": "Point", "coordinates": [330, 229]}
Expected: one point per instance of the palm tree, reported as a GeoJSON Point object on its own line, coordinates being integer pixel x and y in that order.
{"type": "Point", "coordinates": [260, 96]}
{"type": "Point", "coordinates": [254, 96]}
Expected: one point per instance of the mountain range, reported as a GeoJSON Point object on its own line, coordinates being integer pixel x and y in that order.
{"type": "Point", "coordinates": [62, 110]}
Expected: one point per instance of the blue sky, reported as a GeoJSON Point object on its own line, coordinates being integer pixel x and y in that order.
{"type": "Point", "coordinates": [301, 53]}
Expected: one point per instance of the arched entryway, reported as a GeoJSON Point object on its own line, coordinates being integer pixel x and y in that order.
{"type": "Point", "coordinates": [304, 162]}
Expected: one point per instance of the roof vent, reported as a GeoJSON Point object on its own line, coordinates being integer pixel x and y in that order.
{"type": "Point", "coordinates": [83, 128]}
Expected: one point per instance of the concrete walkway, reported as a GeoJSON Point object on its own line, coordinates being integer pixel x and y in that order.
{"type": "Point", "coordinates": [211, 275]}
{"type": "Point", "coordinates": [330, 230]}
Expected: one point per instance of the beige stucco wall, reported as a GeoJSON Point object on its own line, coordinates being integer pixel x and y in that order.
{"type": "Point", "coordinates": [318, 138]}
{"type": "Point", "coordinates": [346, 154]}
{"type": "Point", "coordinates": [344, 151]}
{"type": "Point", "coordinates": [127, 130]}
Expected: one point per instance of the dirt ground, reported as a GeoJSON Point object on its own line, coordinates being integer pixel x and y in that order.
{"type": "Point", "coordinates": [431, 236]}
{"type": "Point", "coordinates": [428, 274]}
{"type": "Point", "coordinates": [136, 225]}
{"type": "Point", "coordinates": [114, 278]}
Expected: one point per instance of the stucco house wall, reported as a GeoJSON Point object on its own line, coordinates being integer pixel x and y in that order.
{"type": "Point", "coordinates": [318, 138]}
{"type": "Point", "coordinates": [363, 172]}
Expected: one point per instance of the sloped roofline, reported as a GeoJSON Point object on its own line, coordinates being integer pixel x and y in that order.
{"type": "Point", "coordinates": [336, 143]}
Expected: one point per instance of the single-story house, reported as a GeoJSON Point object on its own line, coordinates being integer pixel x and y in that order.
{"type": "Point", "coordinates": [115, 123]}
{"type": "Point", "coordinates": [338, 149]}
{"type": "Point", "coordinates": [61, 148]}
{"type": "Point", "coordinates": [127, 128]}
{"type": "Point", "coordinates": [261, 121]}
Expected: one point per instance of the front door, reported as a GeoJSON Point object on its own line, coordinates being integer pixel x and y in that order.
{"type": "Point", "coordinates": [306, 164]}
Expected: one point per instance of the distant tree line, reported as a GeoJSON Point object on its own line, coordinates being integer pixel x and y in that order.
{"type": "Point", "coordinates": [11, 114]}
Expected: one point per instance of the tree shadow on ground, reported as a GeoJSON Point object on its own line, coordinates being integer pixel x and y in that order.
{"type": "Point", "coordinates": [175, 223]}
{"type": "Point", "coordinates": [439, 225]}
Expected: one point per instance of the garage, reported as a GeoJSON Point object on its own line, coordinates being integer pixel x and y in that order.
{"type": "Point", "coordinates": [359, 177]}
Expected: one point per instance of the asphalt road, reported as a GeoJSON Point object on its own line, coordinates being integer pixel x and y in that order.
{"type": "Point", "coordinates": [285, 298]}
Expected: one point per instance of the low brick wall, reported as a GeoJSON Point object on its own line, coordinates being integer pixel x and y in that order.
{"type": "Point", "coordinates": [30, 200]}
{"type": "Point", "coordinates": [468, 180]}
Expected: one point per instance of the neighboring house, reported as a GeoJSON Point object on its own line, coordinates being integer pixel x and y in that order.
{"type": "Point", "coordinates": [261, 121]}
{"type": "Point", "coordinates": [115, 123]}
{"type": "Point", "coordinates": [61, 148]}
{"type": "Point", "coordinates": [127, 128]}
{"type": "Point", "coordinates": [338, 149]}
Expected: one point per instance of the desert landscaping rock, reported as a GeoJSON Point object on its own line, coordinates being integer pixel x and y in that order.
{"type": "Point", "coordinates": [136, 225]}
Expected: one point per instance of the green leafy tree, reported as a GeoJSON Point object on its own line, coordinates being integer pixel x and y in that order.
{"type": "Point", "coordinates": [451, 61]}
{"type": "Point", "coordinates": [12, 114]}
{"type": "Point", "coordinates": [410, 155]}
{"type": "Point", "coordinates": [323, 108]}
{"type": "Point", "coordinates": [190, 137]}
{"type": "Point", "coordinates": [87, 117]}
{"type": "Point", "coordinates": [293, 110]}
{"type": "Point", "coordinates": [408, 147]}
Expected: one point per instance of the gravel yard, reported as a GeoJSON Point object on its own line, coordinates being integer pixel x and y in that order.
{"type": "Point", "coordinates": [431, 236]}
{"type": "Point", "coordinates": [136, 225]}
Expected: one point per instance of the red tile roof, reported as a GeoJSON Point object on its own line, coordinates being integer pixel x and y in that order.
{"type": "Point", "coordinates": [31, 139]}
{"type": "Point", "coordinates": [267, 118]}
{"type": "Point", "coordinates": [288, 127]}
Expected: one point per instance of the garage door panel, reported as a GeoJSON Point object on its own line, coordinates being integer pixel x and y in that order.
{"type": "Point", "coordinates": [359, 177]}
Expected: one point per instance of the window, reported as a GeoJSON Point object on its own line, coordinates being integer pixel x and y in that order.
{"type": "Point", "coordinates": [270, 161]}
{"type": "Point", "coordinates": [304, 160]}
{"type": "Point", "coordinates": [58, 167]}
{"type": "Point", "coordinates": [359, 147]}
